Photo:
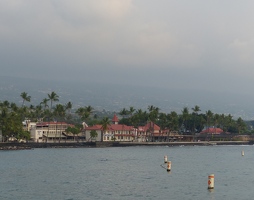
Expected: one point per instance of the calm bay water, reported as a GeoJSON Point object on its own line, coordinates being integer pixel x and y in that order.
{"type": "Point", "coordinates": [127, 173]}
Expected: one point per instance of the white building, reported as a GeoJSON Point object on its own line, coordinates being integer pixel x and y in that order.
{"type": "Point", "coordinates": [114, 132]}
{"type": "Point", "coordinates": [49, 131]}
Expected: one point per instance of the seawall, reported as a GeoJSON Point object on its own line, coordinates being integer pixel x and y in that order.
{"type": "Point", "coordinates": [31, 145]}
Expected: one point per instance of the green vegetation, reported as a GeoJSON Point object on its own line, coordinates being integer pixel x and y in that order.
{"type": "Point", "coordinates": [93, 134]}
{"type": "Point", "coordinates": [74, 130]}
{"type": "Point", "coordinates": [105, 122]}
{"type": "Point", "coordinates": [11, 122]}
{"type": "Point", "coordinates": [187, 122]}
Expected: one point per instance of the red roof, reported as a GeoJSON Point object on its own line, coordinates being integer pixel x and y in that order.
{"type": "Point", "coordinates": [94, 127]}
{"type": "Point", "coordinates": [115, 118]}
{"type": "Point", "coordinates": [120, 127]}
{"type": "Point", "coordinates": [112, 127]}
{"type": "Point", "coordinates": [149, 125]}
{"type": "Point", "coordinates": [212, 131]}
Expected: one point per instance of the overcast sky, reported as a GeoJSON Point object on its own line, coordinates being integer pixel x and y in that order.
{"type": "Point", "coordinates": [168, 43]}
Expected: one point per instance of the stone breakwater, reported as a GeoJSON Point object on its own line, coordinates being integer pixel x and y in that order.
{"type": "Point", "coordinates": [33, 145]}
{"type": "Point", "coordinates": [11, 147]}
{"type": "Point", "coordinates": [30, 145]}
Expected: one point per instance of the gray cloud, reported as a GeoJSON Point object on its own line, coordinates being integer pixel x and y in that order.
{"type": "Point", "coordinates": [181, 44]}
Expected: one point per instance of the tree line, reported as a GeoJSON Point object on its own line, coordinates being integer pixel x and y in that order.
{"type": "Point", "coordinates": [12, 115]}
{"type": "Point", "coordinates": [189, 121]}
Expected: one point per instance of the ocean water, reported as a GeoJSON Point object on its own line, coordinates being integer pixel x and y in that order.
{"type": "Point", "coordinates": [127, 173]}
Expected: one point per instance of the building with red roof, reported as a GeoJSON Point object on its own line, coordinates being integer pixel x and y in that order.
{"type": "Point", "coordinates": [121, 132]}
{"type": "Point", "coordinates": [148, 132]}
{"type": "Point", "coordinates": [114, 132]}
{"type": "Point", "coordinates": [115, 119]}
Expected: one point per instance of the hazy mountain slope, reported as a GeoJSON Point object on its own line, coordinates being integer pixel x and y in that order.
{"type": "Point", "coordinates": [116, 97]}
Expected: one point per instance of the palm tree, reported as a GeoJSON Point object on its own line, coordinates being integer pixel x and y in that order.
{"type": "Point", "coordinates": [4, 114]}
{"type": "Point", "coordinates": [104, 126]}
{"type": "Point", "coordinates": [10, 124]}
{"type": "Point", "coordinates": [196, 109]}
{"type": "Point", "coordinates": [59, 111]}
{"type": "Point", "coordinates": [151, 108]}
{"type": "Point", "coordinates": [68, 107]}
{"type": "Point", "coordinates": [131, 110]}
{"type": "Point", "coordinates": [200, 122]}
{"type": "Point", "coordinates": [137, 117]}
{"type": "Point", "coordinates": [6, 104]}
{"type": "Point", "coordinates": [45, 103]}
{"type": "Point", "coordinates": [123, 112]}
{"type": "Point", "coordinates": [81, 112]}
{"type": "Point", "coordinates": [241, 125]}
{"type": "Point", "coordinates": [25, 97]}
{"type": "Point", "coordinates": [152, 117]}
{"type": "Point", "coordinates": [173, 122]}
{"type": "Point", "coordinates": [162, 122]}
{"type": "Point", "coordinates": [153, 113]}
{"type": "Point", "coordinates": [84, 112]}
{"type": "Point", "coordinates": [38, 112]}
{"type": "Point", "coordinates": [89, 109]}
{"type": "Point", "coordinates": [14, 107]}
{"type": "Point", "coordinates": [228, 122]}
{"type": "Point", "coordinates": [185, 118]}
{"type": "Point", "coordinates": [53, 97]}
{"type": "Point", "coordinates": [88, 112]}
{"type": "Point", "coordinates": [209, 116]}
{"type": "Point", "coordinates": [216, 121]}
{"type": "Point", "coordinates": [222, 121]}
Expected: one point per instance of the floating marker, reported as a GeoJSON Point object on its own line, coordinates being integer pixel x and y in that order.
{"type": "Point", "coordinates": [242, 152]}
{"type": "Point", "coordinates": [211, 181]}
{"type": "Point", "coordinates": [169, 166]}
{"type": "Point", "coordinates": [165, 159]}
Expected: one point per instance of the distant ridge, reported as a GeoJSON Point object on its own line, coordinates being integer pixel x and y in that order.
{"type": "Point", "coordinates": [114, 97]}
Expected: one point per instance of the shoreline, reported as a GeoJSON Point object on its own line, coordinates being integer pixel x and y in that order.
{"type": "Point", "coordinates": [28, 146]}
{"type": "Point", "coordinates": [201, 143]}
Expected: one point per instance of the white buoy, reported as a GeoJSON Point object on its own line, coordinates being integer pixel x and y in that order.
{"type": "Point", "coordinates": [242, 152]}
{"type": "Point", "coordinates": [165, 159]}
{"type": "Point", "coordinates": [169, 166]}
{"type": "Point", "coordinates": [211, 181]}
